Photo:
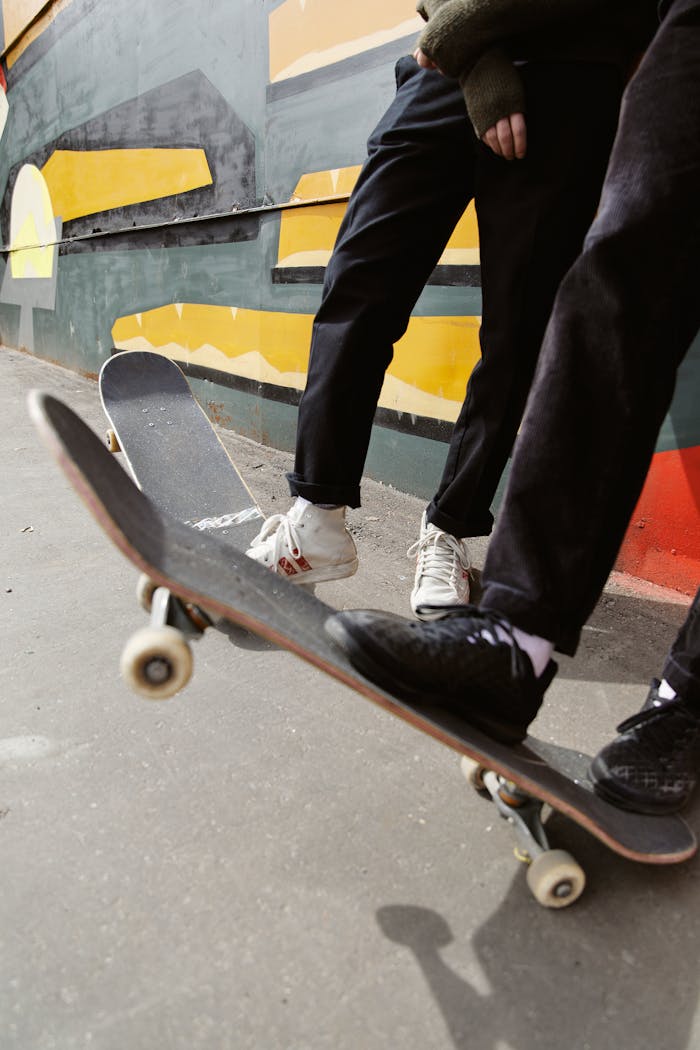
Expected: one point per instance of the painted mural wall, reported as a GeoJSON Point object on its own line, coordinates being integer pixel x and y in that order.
{"type": "Point", "coordinates": [173, 176]}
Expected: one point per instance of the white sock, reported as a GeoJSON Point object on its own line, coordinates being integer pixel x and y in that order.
{"type": "Point", "coordinates": [302, 502]}
{"type": "Point", "coordinates": [666, 691]}
{"type": "Point", "coordinates": [538, 649]}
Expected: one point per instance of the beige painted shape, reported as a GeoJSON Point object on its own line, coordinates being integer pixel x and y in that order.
{"type": "Point", "coordinates": [328, 183]}
{"type": "Point", "coordinates": [460, 257]}
{"type": "Point", "coordinates": [308, 34]}
{"type": "Point", "coordinates": [27, 36]}
{"type": "Point", "coordinates": [33, 232]}
{"type": "Point", "coordinates": [17, 14]}
{"type": "Point", "coordinates": [312, 257]}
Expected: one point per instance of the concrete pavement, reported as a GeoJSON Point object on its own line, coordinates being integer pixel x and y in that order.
{"type": "Point", "coordinates": [268, 861]}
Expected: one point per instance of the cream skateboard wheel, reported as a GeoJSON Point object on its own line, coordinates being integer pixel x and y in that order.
{"type": "Point", "coordinates": [555, 879]}
{"type": "Point", "coordinates": [157, 662]}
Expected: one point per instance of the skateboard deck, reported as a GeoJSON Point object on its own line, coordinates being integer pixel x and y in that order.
{"type": "Point", "coordinates": [172, 449]}
{"type": "Point", "coordinates": [197, 566]}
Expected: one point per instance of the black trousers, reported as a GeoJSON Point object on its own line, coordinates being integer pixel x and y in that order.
{"type": "Point", "coordinates": [624, 318]}
{"type": "Point", "coordinates": [682, 667]}
{"type": "Point", "coordinates": [424, 166]}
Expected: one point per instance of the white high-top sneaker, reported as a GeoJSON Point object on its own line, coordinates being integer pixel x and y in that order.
{"type": "Point", "coordinates": [308, 544]}
{"type": "Point", "coordinates": [442, 571]}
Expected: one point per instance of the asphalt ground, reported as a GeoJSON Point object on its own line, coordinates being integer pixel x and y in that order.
{"type": "Point", "coordinates": [269, 861]}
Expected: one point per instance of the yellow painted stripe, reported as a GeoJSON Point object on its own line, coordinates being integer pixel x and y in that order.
{"type": "Point", "coordinates": [85, 182]}
{"type": "Point", "coordinates": [330, 183]}
{"type": "Point", "coordinates": [312, 229]}
{"type": "Point", "coordinates": [307, 236]}
{"type": "Point", "coordinates": [282, 338]}
{"type": "Point", "coordinates": [437, 355]}
{"type": "Point", "coordinates": [434, 359]}
{"type": "Point", "coordinates": [466, 233]}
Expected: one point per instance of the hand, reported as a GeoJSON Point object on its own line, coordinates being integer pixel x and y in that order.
{"type": "Point", "coordinates": [422, 59]}
{"type": "Point", "coordinates": [508, 138]}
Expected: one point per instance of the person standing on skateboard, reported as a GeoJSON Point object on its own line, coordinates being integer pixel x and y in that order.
{"type": "Point", "coordinates": [623, 319]}
{"type": "Point", "coordinates": [532, 153]}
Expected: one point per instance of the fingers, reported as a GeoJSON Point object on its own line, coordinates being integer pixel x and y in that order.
{"type": "Point", "coordinates": [490, 137]}
{"type": "Point", "coordinates": [422, 59]}
{"type": "Point", "coordinates": [519, 133]}
{"type": "Point", "coordinates": [508, 138]}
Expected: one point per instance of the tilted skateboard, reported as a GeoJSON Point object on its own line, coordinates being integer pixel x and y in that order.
{"type": "Point", "coordinates": [177, 459]}
{"type": "Point", "coordinates": [172, 449]}
{"type": "Point", "coordinates": [205, 572]}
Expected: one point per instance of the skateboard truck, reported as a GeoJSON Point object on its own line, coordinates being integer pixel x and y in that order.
{"type": "Point", "coordinates": [157, 660]}
{"type": "Point", "coordinates": [554, 877]}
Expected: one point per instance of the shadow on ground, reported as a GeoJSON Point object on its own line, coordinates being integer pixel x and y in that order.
{"type": "Point", "coordinates": [568, 978]}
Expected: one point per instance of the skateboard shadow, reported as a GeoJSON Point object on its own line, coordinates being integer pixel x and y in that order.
{"type": "Point", "coordinates": [243, 639]}
{"type": "Point", "coordinates": [618, 969]}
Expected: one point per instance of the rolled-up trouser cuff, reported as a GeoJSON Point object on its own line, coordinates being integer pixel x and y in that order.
{"type": "Point", "coordinates": [338, 495]}
{"type": "Point", "coordinates": [461, 529]}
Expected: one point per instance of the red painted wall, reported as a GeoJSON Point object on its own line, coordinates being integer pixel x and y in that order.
{"type": "Point", "coordinates": [663, 541]}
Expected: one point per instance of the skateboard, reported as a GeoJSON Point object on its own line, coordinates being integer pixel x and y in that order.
{"type": "Point", "coordinates": [176, 457]}
{"type": "Point", "coordinates": [172, 449]}
{"type": "Point", "coordinates": [520, 780]}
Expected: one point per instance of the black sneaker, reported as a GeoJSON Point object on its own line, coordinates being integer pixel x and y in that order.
{"type": "Point", "coordinates": [652, 766]}
{"type": "Point", "coordinates": [448, 662]}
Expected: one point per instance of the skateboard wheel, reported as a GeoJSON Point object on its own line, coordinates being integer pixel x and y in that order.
{"type": "Point", "coordinates": [113, 441]}
{"type": "Point", "coordinates": [157, 662]}
{"type": "Point", "coordinates": [145, 589]}
{"type": "Point", "coordinates": [473, 773]}
{"type": "Point", "coordinates": [555, 879]}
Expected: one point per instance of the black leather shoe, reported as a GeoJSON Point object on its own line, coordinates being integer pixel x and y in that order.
{"type": "Point", "coordinates": [457, 662]}
{"type": "Point", "coordinates": [653, 765]}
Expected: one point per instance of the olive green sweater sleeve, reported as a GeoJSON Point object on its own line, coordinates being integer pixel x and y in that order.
{"type": "Point", "coordinates": [427, 8]}
{"type": "Point", "coordinates": [459, 31]}
{"type": "Point", "coordinates": [492, 89]}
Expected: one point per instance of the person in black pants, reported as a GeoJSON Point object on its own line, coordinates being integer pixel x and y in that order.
{"type": "Point", "coordinates": [425, 164]}
{"type": "Point", "coordinates": [653, 765]}
{"type": "Point", "coordinates": [623, 319]}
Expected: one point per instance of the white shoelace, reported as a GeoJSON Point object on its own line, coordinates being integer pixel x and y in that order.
{"type": "Point", "coordinates": [284, 532]}
{"type": "Point", "coordinates": [439, 555]}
